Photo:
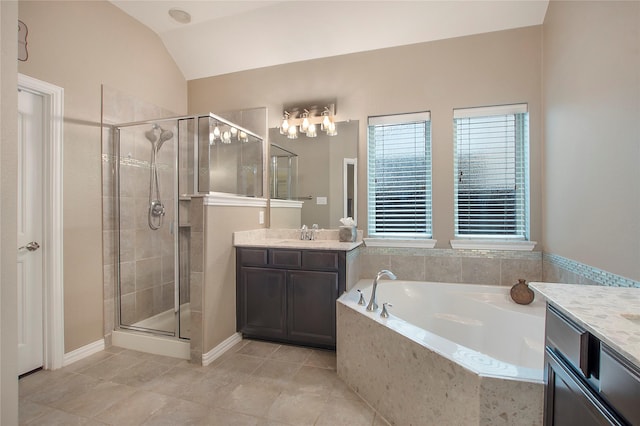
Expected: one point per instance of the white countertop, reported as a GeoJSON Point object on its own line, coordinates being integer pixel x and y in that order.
{"type": "Point", "coordinates": [612, 314]}
{"type": "Point", "coordinates": [327, 239]}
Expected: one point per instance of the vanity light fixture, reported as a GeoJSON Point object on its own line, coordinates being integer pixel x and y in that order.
{"type": "Point", "coordinates": [284, 127]}
{"type": "Point", "coordinates": [227, 135]}
{"type": "Point", "coordinates": [292, 132]}
{"type": "Point", "coordinates": [307, 120]}
{"type": "Point", "coordinates": [311, 131]}
{"type": "Point", "coordinates": [304, 126]}
{"type": "Point", "coordinates": [326, 120]}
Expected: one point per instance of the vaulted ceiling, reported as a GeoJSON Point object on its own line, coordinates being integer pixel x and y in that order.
{"type": "Point", "coordinates": [228, 36]}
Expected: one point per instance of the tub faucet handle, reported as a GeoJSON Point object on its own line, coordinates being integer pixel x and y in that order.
{"type": "Point", "coordinates": [385, 313]}
{"type": "Point", "coordinates": [361, 301]}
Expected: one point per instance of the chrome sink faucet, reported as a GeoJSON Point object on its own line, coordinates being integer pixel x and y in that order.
{"type": "Point", "coordinates": [308, 234]}
{"type": "Point", "coordinates": [373, 305]}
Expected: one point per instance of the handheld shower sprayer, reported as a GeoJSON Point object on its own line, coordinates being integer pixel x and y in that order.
{"type": "Point", "coordinates": [156, 208]}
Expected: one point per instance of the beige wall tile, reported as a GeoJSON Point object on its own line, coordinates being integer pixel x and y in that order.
{"type": "Point", "coordinates": [480, 270]}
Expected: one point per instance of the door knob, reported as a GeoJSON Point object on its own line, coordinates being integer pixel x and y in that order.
{"type": "Point", "coordinates": [32, 246]}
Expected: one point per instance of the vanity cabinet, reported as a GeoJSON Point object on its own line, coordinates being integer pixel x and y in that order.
{"type": "Point", "coordinates": [289, 295]}
{"type": "Point", "coordinates": [586, 382]}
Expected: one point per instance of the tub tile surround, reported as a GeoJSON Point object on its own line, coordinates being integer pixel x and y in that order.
{"type": "Point", "coordinates": [454, 266]}
{"type": "Point", "coordinates": [424, 387]}
{"type": "Point", "coordinates": [610, 313]}
{"type": "Point", "coordinates": [558, 269]}
{"type": "Point", "coordinates": [510, 402]}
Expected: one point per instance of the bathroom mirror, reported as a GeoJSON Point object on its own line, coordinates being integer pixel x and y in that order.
{"type": "Point", "coordinates": [324, 189]}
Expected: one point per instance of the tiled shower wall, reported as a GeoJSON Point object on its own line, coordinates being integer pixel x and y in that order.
{"type": "Point", "coordinates": [138, 249]}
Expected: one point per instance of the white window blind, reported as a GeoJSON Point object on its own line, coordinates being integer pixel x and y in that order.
{"type": "Point", "coordinates": [491, 172]}
{"type": "Point", "coordinates": [399, 180]}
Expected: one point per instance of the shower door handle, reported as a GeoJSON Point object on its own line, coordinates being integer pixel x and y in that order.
{"type": "Point", "coordinates": [32, 246]}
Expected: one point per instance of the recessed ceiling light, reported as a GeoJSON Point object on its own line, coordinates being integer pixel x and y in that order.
{"type": "Point", "coordinates": [180, 16]}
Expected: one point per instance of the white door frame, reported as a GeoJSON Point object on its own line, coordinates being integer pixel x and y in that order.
{"type": "Point", "coordinates": [53, 294]}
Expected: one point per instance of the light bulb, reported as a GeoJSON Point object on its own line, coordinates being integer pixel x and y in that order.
{"type": "Point", "coordinates": [226, 137]}
{"type": "Point", "coordinates": [234, 132]}
{"type": "Point", "coordinates": [216, 132]}
{"type": "Point", "coordinates": [292, 132]}
{"type": "Point", "coordinates": [243, 137]}
{"type": "Point", "coordinates": [305, 124]}
{"type": "Point", "coordinates": [331, 129]}
{"type": "Point", "coordinates": [311, 131]}
{"type": "Point", "coordinates": [284, 127]}
{"type": "Point", "coordinates": [326, 121]}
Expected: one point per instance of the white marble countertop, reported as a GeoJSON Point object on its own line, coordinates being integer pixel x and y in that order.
{"type": "Point", "coordinates": [326, 239]}
{"type": "Point", "coordinates": [612, 314]}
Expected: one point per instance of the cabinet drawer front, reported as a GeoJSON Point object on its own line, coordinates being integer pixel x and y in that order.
{"type": "Point", "coordinates": [569, 339]}
{"type": "Point", "coordinates": [325, 260]}
{"type": "Point", "coordinates": [620, 385]}
{"type": "Point", "coordinates": [287, 258]}
{"type": "Point", "coordinates": [253, 257]}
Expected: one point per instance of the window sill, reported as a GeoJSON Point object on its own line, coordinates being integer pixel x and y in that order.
{"type": "Point", "coordinates": [389, 242]}
{"type": "Point", "coordinates": [493, 245]}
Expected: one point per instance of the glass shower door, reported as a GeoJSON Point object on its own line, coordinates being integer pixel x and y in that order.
{"type": "Point", "coordinates": [148, 235]}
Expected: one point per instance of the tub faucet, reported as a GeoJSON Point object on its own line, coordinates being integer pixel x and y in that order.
{"type": "Point", "coordinates": [373, 305]}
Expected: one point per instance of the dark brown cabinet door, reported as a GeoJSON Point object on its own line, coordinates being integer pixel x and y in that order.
{"type": "Point", "coordinates": [568, 400]}
{"type": "Point", "coordinates": [262, 302]}
{"type": "Point", "coordinates": [312, 306]}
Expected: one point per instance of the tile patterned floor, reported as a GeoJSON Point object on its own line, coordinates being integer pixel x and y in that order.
{"type": "Point", "coordinates": [254, 383]}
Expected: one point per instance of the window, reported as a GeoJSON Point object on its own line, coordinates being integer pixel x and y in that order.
{"type": "Point", "coordinates": [399, 180]}
{"type": "Point", "coordinates": [491, 172]}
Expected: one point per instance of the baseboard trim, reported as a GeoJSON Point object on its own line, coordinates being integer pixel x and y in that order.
{"type": "Point", "coordinates": [83, 352]}
{"type": "Point", "coordinates": [219, 350]}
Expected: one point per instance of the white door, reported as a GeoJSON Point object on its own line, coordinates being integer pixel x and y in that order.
{"type": "Point", "coordinates": [30, 232]}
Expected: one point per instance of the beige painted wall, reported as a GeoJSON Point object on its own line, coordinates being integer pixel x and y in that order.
{"type": "Point", "coordinates": [285, 218]}
{"type": "Point", "coordinates": [219, 304]}
{"type": "Point", "coordinates": [487, 69]}
{"type": "Point", "coordinates": [79, 46]}
{"type": "Point", "coordinates": [8, 209]}
{"type": "Point", "coordinates": [592, 134]}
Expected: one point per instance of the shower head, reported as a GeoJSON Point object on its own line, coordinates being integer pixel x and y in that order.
{"type": "Point", "coordinates": [165, 135]}
{"type": "Point", "coordinates": [151, 134]}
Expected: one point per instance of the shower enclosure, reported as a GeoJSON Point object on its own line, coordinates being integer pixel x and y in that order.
{"type": "Point", "coordinates": [284, 173]}
{"type": "Point", "coordinates": [162, 163]}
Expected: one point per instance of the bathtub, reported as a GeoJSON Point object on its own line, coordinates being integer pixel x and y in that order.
{"type": "Point", "coordinates": [448, 353]}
